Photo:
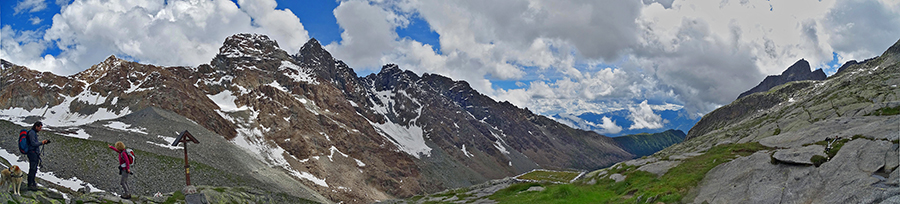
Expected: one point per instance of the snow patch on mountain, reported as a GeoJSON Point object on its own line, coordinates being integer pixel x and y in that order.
{"type": "Point", "coordinates": [296, 73]}
{"type": "Point", "coordinates": [500, 147]}
{"type": "Point", "coordinates": [225, 101]}
{"type": "Point", "coordinates": [125, 127]}
{"type": "Point", "coordinates": [410, 138]}
{"type": "Point", "coordinates": [60, 116]}
{"type": "Point", "coordinates": [167, 144]}
{"type": "Point", "coordinates": [470, 155]}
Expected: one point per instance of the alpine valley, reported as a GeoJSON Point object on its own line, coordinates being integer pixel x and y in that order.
{"type": "Point", "coordinates": [301, 127]}
{"type": "Point", "coordinates": [795, 138]}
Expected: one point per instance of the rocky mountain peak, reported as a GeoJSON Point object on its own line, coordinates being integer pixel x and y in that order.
{"type": "Point", "coordinates": [801, 67]}
{"type": "Point", "coordinates": [248, 45]}
{"type": "Point", "coordinates": [313, 54]}
{"type": "Point", "coordinates": [101, 69]}
{"type": "Point", "coordinates": [799, 71]}
{"type": "Point", "coordinates": [390, 69]}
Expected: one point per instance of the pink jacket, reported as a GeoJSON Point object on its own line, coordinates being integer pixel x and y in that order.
{"type": "Point", "coordinates": [124, 159]}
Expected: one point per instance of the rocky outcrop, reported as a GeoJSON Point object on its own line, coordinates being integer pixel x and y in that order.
{"type": "Point", "coordinates": [797, 72]}
{"type": "Point", "coordinates": [847, 178]}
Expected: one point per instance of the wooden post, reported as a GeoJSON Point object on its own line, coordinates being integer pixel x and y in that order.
{"type": "Point", "coordinates": [184, 138]}
{"type": "Point", "coordinates": [187, 167]}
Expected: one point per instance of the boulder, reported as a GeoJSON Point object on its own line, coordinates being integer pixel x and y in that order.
{"type": "Point", "coordinates": [617, 177]}
{"type": "Point", "coordinates": [659, 168]}
{"type": "Point", "coordinates": [799, 155]}
{"type": "Point", "coordinates": [892, 158]}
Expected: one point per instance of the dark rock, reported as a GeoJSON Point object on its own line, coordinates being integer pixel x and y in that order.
{"type": "Point", "coordinates": [797, 72]}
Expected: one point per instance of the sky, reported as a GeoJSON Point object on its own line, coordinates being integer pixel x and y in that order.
{"type": "Point", "coordinates": [550, 56]}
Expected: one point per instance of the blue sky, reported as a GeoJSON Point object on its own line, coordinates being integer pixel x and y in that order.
{"type": "Point", "coordinates": [553, 56]}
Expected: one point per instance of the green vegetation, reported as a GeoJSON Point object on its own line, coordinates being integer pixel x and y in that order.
{"type": "Point", "coordinates": [646, 144]}
{"type": "Point", "coordinates": [459, 193]}
{"type": "Point", "coordinates": [552, 176]}
{"type": "Point", "coordinates": [885, 111]}
{"type": "Point", "coordinates": [777, 131]}
{"type": "Point", "coordinates": [818, 160]}
{"type": "Point", "coordinates": [177, 196]}
{"type": "Point", "coordinates": [638, 186]}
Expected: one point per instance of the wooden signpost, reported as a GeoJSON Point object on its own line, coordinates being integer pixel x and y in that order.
{"type": "Point", "coordinates": [186, 137]}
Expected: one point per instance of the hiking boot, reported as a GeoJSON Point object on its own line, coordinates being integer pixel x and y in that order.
{"type": "Point", "coordinates": [126, 196]}
{"type": "Point", "coordinates": [32, 188]}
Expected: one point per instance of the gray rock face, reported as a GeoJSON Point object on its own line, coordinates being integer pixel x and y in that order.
{"type": "Point", "coordinates": [847, 178]}
{"type": "Point", "coordinates": [659, 168]}
{"type": "Point", "coordinates": [800, 155]}
{"type": "Point", "coordinates": [845, 127]}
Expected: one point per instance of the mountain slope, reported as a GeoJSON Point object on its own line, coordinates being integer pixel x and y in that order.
{"type": "Point", "coordinates": [646, 144]}
{"type": "Point", "coordinates": [830, 141]}
{"type": "Point", "coordinates": [308, 115]}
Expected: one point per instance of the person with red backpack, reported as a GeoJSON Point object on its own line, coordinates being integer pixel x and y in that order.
{"type": "Point", "coordinates": [126, 159]}
{"type": "Point", "coordinates": [34, 153]}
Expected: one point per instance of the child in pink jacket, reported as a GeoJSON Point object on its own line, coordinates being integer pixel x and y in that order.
{"type": "Point", "coordinates": [125, 162]}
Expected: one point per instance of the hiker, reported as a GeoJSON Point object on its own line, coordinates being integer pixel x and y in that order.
{"type": "Point", "coordinates": [125, 162]}
{"type": "Point", "coordinates": [34, 153]}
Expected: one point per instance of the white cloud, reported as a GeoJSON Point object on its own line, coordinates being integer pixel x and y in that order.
{"type": "Point", "coordinates": [368, 34]}
{"type": "Point", "coordinates": [29, 5]}
{"type": "Point", "coordinates": [35, 20]}
{"type": "Point", "coordinates": [158, 32]}
{"type": "Point", "coordinates": [609, 126]}
{"type": "Point", "coordinates": [644, 118]}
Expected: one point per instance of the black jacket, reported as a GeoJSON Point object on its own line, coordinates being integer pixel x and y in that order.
{"type": "Point", "coordinates": [34, 145]}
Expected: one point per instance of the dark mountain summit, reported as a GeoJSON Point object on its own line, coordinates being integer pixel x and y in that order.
{"type": "Point", "coordinates": [797, 72]}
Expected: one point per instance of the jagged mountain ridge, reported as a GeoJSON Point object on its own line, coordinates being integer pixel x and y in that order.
{"type": "Point", "coordinates": [799, 71]}
{"type": "Point", "coordinates": [354, 139]}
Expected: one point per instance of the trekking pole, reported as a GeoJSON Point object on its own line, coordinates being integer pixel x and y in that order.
{"type": "Point", "coordinates": [41, 158]}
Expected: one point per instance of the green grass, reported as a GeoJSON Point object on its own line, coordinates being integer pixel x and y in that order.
{"type": "Point", "coordinates": [177, 196]}
{"type": "Point", "coordinates": [885, 111]}
{"type": "Point", "coordinates": [552, 176]}
{"type": "Point", "coordinates": [669, 188]}
{"type": "Point", "coordinates": [818, 160]}
{"type": "Point", "coordinates": [777, 131]}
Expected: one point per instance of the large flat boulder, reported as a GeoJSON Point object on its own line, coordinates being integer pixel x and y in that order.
{"type": "Point", "coordinates": [846, 178]}
{"type": "Point", "coordinates": [801, 155]}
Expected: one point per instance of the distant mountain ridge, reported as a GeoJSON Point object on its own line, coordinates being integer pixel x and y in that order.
{"type": "Point", "coordinates": [672, 119]}
{"type": "Point", "coordinates": [797, 72]}
{"type": "Point", "coordinates": [646, 144]}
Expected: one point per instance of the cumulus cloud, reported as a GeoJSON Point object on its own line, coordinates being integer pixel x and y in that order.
{"type": "Point", "coordinates": [608, 126]}
{"type": "Point", "coordinates": [157, 32]}
{"type": "Point", "coordinates": [644, 118]}
{"type": "Point", "coordinates": [368, 34]}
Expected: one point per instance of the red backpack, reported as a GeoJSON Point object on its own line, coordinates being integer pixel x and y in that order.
{"type": "Point", "coordinates": [24, 147]}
